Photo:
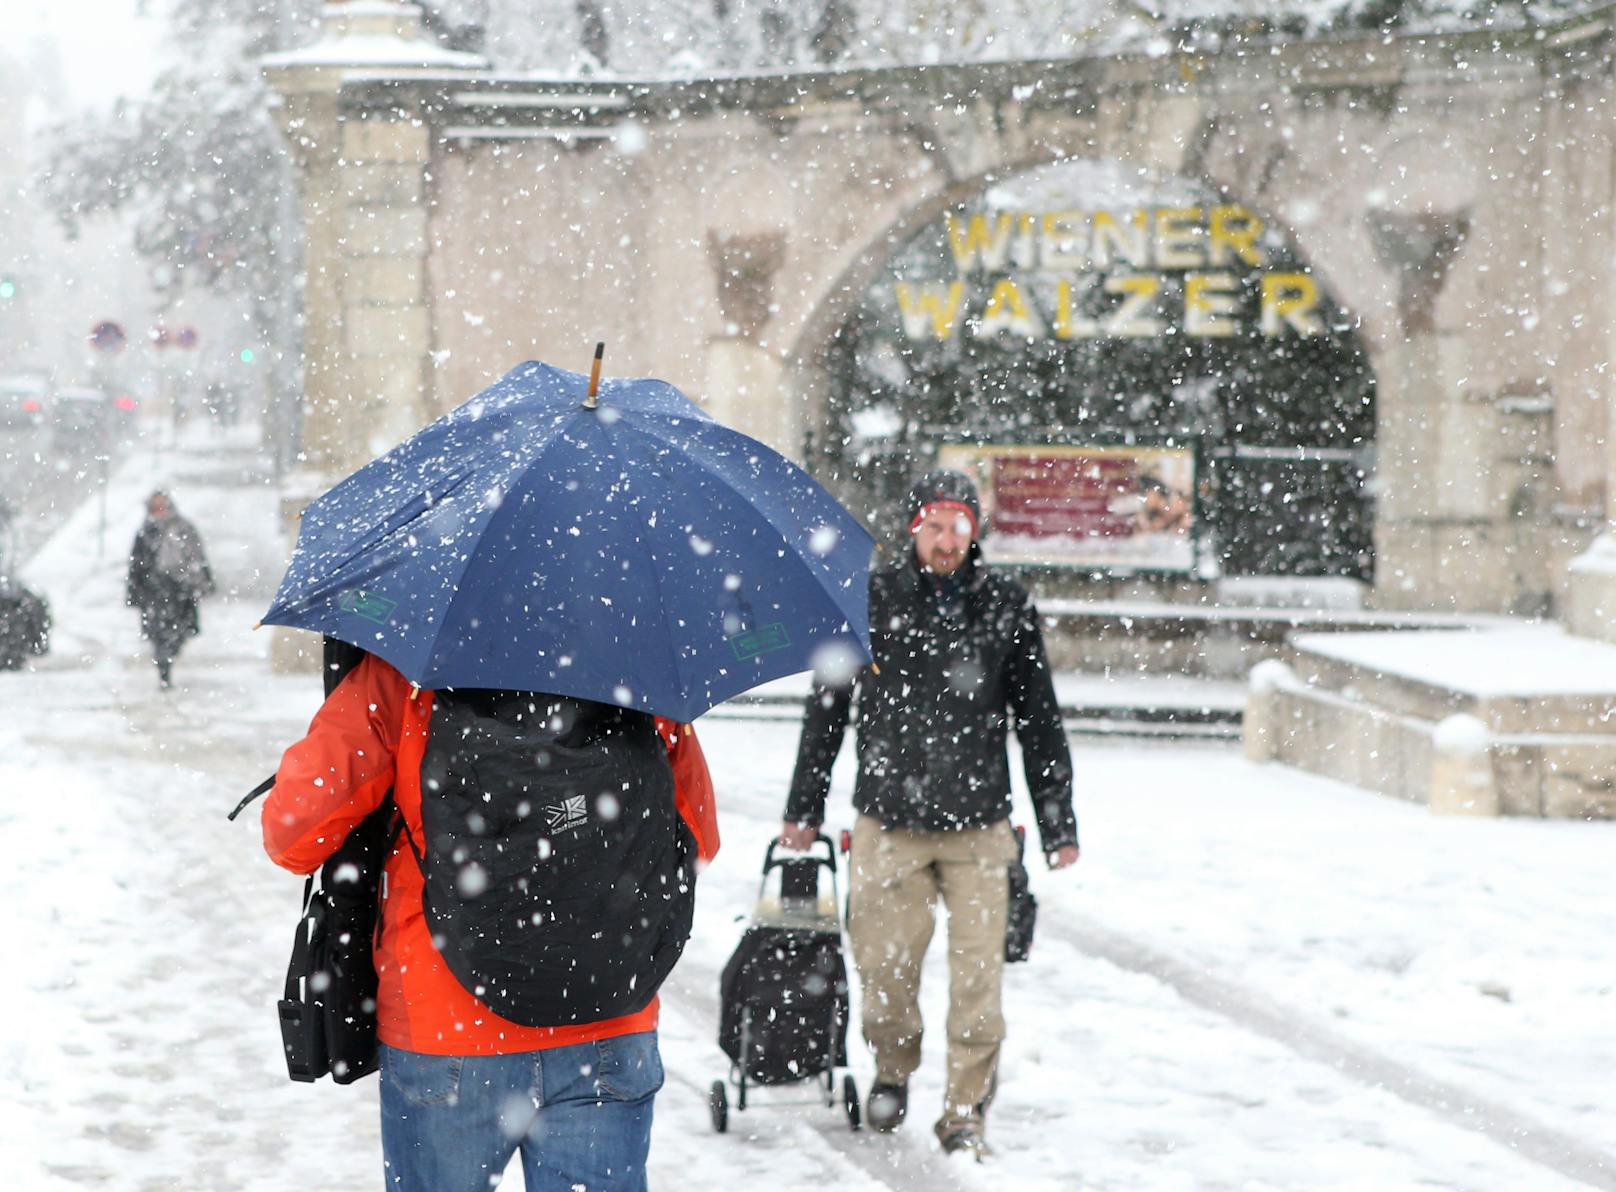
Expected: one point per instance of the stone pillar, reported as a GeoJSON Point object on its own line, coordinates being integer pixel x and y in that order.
{"type": "Point", "coordinates": [361, 199]}
{"type": "Point", "coordinates": [387, 335]}
{"type": "Point", "coordinates": [745, 377]}
{"type": "Point", "coordinates": [1260, 728]}
{"type": "Point", "coordinates": [1462, 781]}
{"type": "Point", "coordinates": [1434, 441]}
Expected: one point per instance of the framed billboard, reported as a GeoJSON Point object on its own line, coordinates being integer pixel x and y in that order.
{"type": "Point", "coordinates": [1096, 508]}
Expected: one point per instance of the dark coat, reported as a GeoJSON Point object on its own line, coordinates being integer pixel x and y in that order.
{"type": "Point", "coordinates": [167, 601]}
{"type": "Point", "coordinates": [959, 662]}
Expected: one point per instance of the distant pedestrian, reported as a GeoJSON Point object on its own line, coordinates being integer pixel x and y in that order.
{"type": "Point", "coordinates": [168, 575]}
{"type": "Point", "coordinates": [959, 659]}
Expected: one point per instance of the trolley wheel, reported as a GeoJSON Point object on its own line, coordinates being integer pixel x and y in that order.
{"type": "Point", "coordinates": [850, 1101]}
{"type": "Point", "coordinates": [718, 1106]}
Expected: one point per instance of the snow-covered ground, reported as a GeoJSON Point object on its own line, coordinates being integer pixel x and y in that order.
{"type": "Point", "coordinates": [1254, 979]}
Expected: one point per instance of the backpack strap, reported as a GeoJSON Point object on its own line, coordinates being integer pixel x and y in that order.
{"type": "Point", "coordinates": [298, 967]}
{"type": "Point", "coordinates": [256, 791]}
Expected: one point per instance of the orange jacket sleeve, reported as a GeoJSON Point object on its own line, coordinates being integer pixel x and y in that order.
{"type": "Point", "coordinates": [339, 772]}
{"type": "Point", "coordinates": [692, 786]}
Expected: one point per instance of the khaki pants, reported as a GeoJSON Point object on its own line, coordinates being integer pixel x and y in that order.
{"type": "Point", "coordinates": [896, 875]}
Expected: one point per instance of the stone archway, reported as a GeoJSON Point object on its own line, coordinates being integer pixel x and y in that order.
{"type": "Point", "coordinates": [1154, 326]}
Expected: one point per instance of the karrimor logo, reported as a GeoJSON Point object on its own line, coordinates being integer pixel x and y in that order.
{"type": "Point", "coordinates": [567, 815]}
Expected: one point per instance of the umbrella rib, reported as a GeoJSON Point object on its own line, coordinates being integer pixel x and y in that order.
{"type": "Point", "coordinates": [656, 578]}
{"type": "Point", "coordinates": [465, 566]}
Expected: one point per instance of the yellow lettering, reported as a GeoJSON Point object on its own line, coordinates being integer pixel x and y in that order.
{"type": "Point", "coordinates": [1025, 248]}
{"type": "Point", "coordinates": [928, 311]}
{"type": "Point", "coordinates": [1131, 320]}
{"type": "Point", "coordinates": [1209, 305]}
{"type": "Point", "coordinates": [1061, 246]}
{"type": "Point", "coordinates": [1234, 229]}
{"type": "Point", "coordinates": [1290, 298]}
{"type": "Point", "coordinates": [977, 244]}
{"type": "Point", "coordinates": [1006, 311]}
{"type": "Point", "coordinates": [1114, 241]}
{"type": "Point", "coordinates": [1068, 323]}
{"type": "Point", "coordinates": [1178, 238]}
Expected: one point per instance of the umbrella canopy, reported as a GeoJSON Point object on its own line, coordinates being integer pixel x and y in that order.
{"type": "Point", "coordinates": [638, 553]}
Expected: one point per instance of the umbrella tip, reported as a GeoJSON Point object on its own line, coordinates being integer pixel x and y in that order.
{"type": "Point", "coordinates": [257, 625]}
{"type": "Point", "coordinates": [592, 401]}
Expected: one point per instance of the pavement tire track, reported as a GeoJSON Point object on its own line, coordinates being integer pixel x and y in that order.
{"type": "Point", "coordinates": [1564, 1153]}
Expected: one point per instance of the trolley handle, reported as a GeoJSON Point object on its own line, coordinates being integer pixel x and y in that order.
{"type": "Point", "coordinates": [829, 858]}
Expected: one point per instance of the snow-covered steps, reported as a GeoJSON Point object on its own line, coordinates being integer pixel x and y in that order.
{"type": "Point", "coordinates": [1516, 720]}
{"type": "Point", "coordinates": [1132, 705]}
{"type": "Point", "coordinates": [1220, 639]}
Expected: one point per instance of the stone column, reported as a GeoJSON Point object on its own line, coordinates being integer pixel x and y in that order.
{"type": "Point", "coordinates": [1434, 442]}
{"type": "Point", "coordinates": [744, 376]}
{"type": "Point", "coordinates": [361, 199]}
{"type": "Point", "coordinates": [1591, 587]}
{"type": "Point", "coordinates": [385, 313]}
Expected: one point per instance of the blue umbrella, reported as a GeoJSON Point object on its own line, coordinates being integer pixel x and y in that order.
{"type": "Point", "coordinates": [636, 552]}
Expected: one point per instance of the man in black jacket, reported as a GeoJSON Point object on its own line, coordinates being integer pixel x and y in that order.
{"type": "Point", "coordinates": [959, 658]}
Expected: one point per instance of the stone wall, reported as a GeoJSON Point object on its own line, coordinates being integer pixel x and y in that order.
{"type": "Point", "coordinates": [715, 233]}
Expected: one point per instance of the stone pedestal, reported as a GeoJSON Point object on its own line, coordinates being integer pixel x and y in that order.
{"type": "Point", "coordinates": [295, 651]}
{"type": "Point", "coordinates": [1591, 593]}
{"type": "Point", "coordinates": [1508, 721]}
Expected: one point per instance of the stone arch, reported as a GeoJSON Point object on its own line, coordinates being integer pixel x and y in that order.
{"type": "Point", "coordinates": [812, 384]}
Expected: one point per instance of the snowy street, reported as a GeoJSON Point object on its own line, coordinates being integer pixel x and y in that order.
{"type": "Point", "coordinates": [1253, 980]}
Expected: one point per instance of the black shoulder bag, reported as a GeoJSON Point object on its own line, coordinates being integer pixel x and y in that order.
{"type": "Point", "coordinates": [328, 1012]}
{"type": "Point", "coordinates": [1023, 906]}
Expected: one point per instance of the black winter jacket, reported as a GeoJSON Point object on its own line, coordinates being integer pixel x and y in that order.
{"type": "Point", "coordinates": [958, 663]}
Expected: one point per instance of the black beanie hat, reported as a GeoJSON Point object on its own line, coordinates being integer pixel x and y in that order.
{"type": "Point", "coordinates": [945, 487]}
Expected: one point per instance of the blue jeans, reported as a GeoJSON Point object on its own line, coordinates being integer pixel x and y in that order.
{"type": "Point", "coordinates": [580, 1115]}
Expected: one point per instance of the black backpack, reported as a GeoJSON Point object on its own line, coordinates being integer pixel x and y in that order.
{"type": "Point", "coordinates": [328, 1011]}
{"type": "Point", "coordinates": [783, 1004]}
{"type": "Point", "coordinates": [559, 875]}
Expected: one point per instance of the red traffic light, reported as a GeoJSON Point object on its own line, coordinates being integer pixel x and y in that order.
{"type": "Point", "coordinates": [125, 402]}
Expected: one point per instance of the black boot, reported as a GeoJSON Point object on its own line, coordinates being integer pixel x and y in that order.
{"type": "Point", "coordinates": [887, 1106]}
{"type": "Point", "coordinates": [165, 677]}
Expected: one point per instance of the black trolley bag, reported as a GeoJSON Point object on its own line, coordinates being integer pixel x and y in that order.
{"type": "Point", "coordinates": [783, 996]}
{"type": "Point", "coordinates": [328, 1010]}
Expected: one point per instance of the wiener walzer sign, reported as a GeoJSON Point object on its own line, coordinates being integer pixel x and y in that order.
{"type": "Point", "coordinates": [1142, 373]}
{"type": "Point", "coordinates": [1130, 274]}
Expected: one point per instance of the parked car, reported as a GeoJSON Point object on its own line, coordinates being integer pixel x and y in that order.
{"type": "Point", "coordinates": [25, 622]}
{"type": "Point", "coordinates": [86, 418]}
{"type": "Point", "coordinates": [22, 402]}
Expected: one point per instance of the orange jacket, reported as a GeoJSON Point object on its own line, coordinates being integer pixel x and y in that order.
{"type": "Point", "coordinates": [367, 737]}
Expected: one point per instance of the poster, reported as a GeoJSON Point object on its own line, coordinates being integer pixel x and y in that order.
{"type": "Point", "coordinates": [1102, 508]}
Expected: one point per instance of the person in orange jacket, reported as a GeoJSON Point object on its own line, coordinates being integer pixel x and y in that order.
{"type": "Point", "coordinates": [567, 1079]}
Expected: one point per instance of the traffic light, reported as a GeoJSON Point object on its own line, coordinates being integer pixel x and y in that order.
{"type": "Point", "coordinates": [247, 355]}
{"type": "Point", "coordinates": [8, 288]}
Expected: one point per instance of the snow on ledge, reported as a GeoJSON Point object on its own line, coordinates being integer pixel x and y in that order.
{"type": "Point", "coordinates": [373, 50]}
{"type": "Point", "coordinates": [1598, 559]}
{"type": "Point", "coordinates": [1528, 660]}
